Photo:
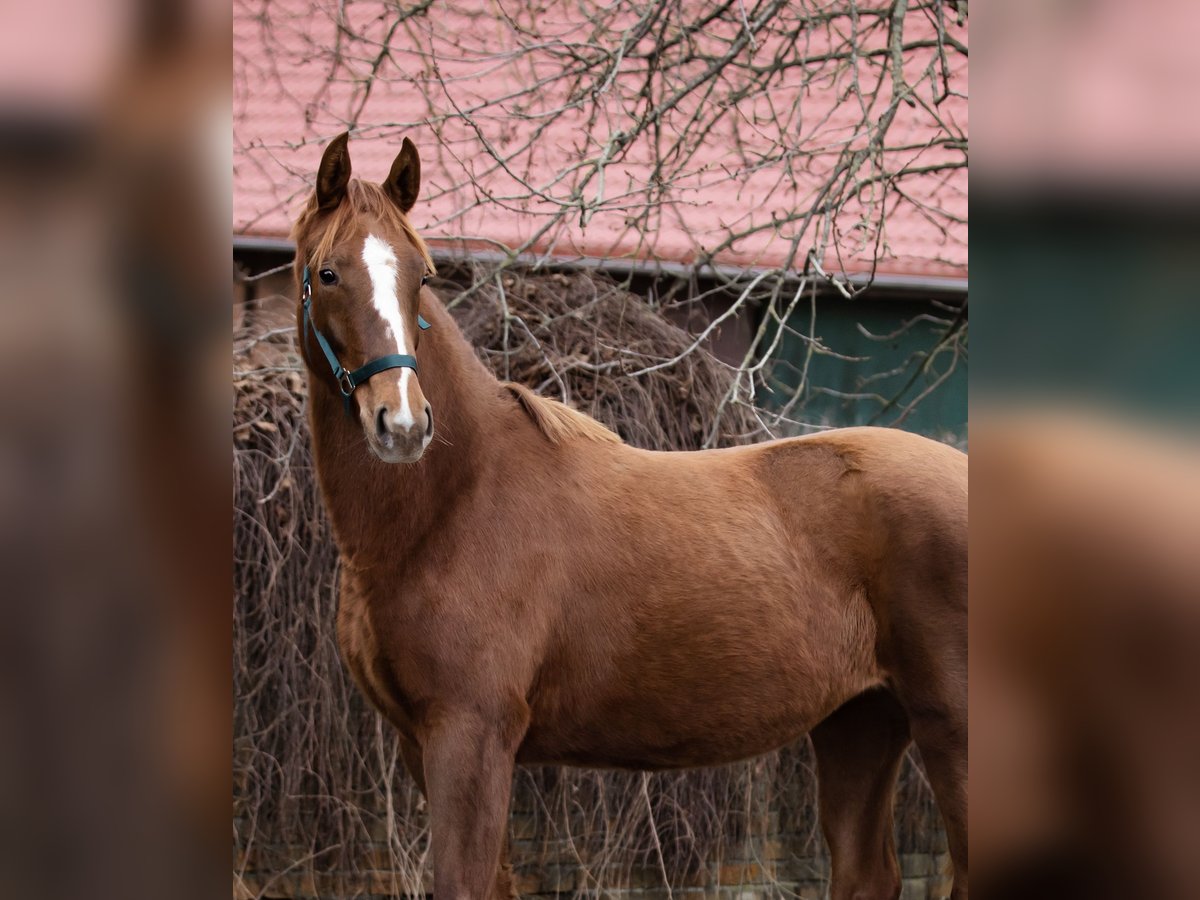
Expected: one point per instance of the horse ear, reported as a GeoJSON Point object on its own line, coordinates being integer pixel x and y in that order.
{"type": "Point", "coordinates": [334, 172]}
{"type": "Point", "coordinates": [404, 181]}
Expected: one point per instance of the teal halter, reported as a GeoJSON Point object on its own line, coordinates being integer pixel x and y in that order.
{"type": "Point", "coordinates": [348, 380]}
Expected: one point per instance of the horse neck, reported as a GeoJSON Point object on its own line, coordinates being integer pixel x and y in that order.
{"type": "Point", "coordinates": [381, 512]}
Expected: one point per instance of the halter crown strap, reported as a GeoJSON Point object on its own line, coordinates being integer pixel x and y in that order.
{"type": "Point", "coordinates": [348, 380]}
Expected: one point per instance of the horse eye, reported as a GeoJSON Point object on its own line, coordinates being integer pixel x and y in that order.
{"type": "Point", "coordinates": [327, 276]}
{"type": "Point", "coordinates": [424, 280]}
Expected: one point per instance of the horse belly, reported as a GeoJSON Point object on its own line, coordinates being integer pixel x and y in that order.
{"type": "Point", "coordinates": [713, 684]}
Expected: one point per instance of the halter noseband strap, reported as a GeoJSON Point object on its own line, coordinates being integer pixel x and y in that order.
{"type": "Point", "coordinates": [348, 380]}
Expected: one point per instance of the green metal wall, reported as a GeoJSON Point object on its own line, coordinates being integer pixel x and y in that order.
{"type": "Point", "coordinates": [885, 368]}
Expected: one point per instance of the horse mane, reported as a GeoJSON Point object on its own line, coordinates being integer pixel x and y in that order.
{"type": "Point", "coordinates": [362, 198]}
{"type": "Point", "coordinates": [557, 421]}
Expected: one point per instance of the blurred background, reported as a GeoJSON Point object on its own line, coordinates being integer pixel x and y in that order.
{"type": "Point", "coordinates": [114, 455]}
{"type": "Point", "coordinates": [1085, 509]}
{"type": "Point", "coordinates": [697, 194]}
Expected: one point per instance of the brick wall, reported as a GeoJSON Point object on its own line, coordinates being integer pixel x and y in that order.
{"type": "Point", "coordinates": [772, 861]}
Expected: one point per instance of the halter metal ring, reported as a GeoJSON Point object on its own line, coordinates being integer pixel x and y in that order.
{"type": "Point", "coordinates": [345, 383]}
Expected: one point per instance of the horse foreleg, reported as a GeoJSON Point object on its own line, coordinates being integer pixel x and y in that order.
{"type": "Point", "coordinates": [468, 766]}
{"type": "Point", "coordinates": [411, 754]}
{"type": "Point", "coordinates": [859, 749]}
{"type": "Point", "coordinates": [506, 888]}
{"type": "Point", "coordinates": [413, 762]}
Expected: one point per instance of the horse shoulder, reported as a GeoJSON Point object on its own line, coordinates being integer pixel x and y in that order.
{"type": "Point", "coordinates": [355, 634]}
{"type": "Point", "coordinates": [361, 650]}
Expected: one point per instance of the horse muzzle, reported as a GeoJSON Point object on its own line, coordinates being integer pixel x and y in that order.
{"type": "Point", "coordinates": [398, 436]}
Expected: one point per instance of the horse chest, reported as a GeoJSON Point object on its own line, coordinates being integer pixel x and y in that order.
{"type": "Point", "coordinates": [358, 641]}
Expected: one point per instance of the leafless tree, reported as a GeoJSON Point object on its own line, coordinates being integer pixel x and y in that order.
{"type": "Point", "coordinates": [594, 123]}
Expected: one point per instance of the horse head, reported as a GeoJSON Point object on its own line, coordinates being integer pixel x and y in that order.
{"type": "Point", "coordinates": [361, 268]}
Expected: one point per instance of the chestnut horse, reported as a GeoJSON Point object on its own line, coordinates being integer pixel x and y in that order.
{"type": "Point", "coordinates": [527, 589]}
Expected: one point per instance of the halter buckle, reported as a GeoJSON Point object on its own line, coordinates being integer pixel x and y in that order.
{"type": "Point", "coordinates": [345, 383]}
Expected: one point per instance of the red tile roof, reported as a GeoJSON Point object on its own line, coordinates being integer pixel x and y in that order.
{"type": "Point", "coordinates": [287, 105]}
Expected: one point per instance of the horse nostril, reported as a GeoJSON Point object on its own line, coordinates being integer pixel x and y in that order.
{"type": "Point", "coordinates": [428, 420]}
{"type": "Point", "coordinates": [381, 428]}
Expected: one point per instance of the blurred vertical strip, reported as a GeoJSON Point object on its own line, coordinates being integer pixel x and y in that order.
{"type": "Point", "coordinates": [1085, 405]}
{"type": "Point", "coordinates": [114, 458]}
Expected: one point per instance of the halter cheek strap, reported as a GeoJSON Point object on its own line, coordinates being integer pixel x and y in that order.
{"type": "Point", "coordinates": [348, 380]}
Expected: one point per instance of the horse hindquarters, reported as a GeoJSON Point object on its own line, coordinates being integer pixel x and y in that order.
{"type": "Point", "coordinates": [922, 605]}
{"type": "Point", "coordinates": [900, 502]}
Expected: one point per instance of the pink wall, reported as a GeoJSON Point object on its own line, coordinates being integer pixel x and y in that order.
{"type": "Point", "coordinates": [286, 107]}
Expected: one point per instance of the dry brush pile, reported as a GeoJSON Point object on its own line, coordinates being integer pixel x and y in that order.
{"type": "Point", "coordinates": [322, 803]}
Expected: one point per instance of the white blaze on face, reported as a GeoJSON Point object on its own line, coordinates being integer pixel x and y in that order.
{"type": "Point", "coordinates": [381, 266]}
